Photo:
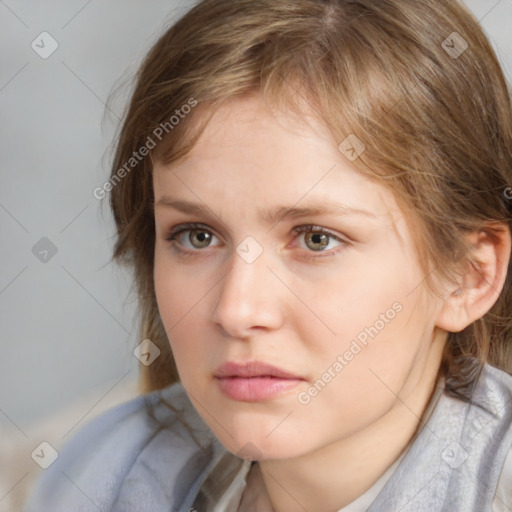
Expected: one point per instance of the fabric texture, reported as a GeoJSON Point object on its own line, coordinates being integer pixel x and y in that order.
{"type": "Point", "coordinates": [156, 454]}
{"type": "Point", "coordinates": [251, 495]}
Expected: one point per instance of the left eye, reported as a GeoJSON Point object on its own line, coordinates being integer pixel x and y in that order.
{"type": "Point", "coordinates": [317, 239]}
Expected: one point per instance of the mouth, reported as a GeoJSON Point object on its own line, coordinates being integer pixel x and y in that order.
{"type": "Point", "coordinates": [254, 381]}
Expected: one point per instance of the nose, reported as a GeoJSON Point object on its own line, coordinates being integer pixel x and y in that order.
{"type": "Point", "coordinates": [250, 298]}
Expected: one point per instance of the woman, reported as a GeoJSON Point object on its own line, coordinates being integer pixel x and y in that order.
{"type": "Point", "coordinates": [313, 198]}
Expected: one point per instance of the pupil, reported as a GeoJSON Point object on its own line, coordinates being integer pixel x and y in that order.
{"type": "Point", "coordinates": [202, 238]}
{"type": "Point", "coordinates": [319, 238]}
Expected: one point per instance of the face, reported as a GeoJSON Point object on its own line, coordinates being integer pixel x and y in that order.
{"type": "Point", "coordinates": [288, 284]}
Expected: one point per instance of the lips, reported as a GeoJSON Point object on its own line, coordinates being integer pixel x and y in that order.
{"type": "Point", "coordinates": [253, 369]}
{"type": "Point", "coordinates": [254, 381]}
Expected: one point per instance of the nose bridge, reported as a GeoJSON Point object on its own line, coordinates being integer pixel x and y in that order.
{"type": "Point", "coordinates": [247, 298]}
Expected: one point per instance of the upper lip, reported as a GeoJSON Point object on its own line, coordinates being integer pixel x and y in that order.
{"type": "Point", "coordinates": [252, 369]}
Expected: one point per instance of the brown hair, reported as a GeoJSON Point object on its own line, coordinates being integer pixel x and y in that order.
{"type": "Point", "coordinates": [434, 115]}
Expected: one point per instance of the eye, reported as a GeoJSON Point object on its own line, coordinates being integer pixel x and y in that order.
{"type": "Point", "coordinates": [190, 238]}
{"type": "Point", "coordinates": [199, 237]}
{"type": "Point", "coordinates": [318, 239]}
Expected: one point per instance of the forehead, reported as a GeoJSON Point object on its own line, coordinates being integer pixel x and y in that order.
{"type": "Point", "coordinates": [249, 122]}
{"type": "Point", "coordinates": [249, 155]}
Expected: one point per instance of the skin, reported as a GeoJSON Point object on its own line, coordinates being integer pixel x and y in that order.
{"type": "Point", "coordinates": [297, 306]}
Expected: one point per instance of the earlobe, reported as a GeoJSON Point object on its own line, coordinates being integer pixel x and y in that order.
{"type": "Point", "coordinates": [481, 281]}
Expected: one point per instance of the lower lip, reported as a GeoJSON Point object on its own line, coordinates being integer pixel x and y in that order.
{"type": "Point", "coordinates": [254, 389]}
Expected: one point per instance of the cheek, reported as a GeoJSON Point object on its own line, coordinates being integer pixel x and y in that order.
{"type": "Point", "coordinates": [179, 302]}
{"type": "Point", "coordinates": [367, 300]}
{"type": "Point", "coordinates": [376, 329]}
{"type": "Point", "coordinates": [356, 383]}
{"type": "Point", "coordinates": [179, 288]}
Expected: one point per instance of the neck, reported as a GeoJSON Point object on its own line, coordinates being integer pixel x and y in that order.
{"type": "Point", "coordinates": [343, 471]}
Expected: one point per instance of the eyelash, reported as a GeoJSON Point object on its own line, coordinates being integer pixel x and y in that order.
{"type": "Point", "coordinates": [182, 228]}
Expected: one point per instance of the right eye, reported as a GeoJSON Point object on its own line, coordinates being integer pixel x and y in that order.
{"type": "Point", "coordinates": [191, 236]}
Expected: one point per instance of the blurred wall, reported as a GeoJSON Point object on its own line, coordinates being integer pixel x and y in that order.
{"type": "Point", "coordinates": [67, 314]}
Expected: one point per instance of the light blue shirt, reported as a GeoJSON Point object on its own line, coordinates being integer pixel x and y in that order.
{"type": "Point", "coordinates": [141, 456]}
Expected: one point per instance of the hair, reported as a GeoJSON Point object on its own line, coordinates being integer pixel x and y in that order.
{"type": "Point", "coordinates": [436, 124]}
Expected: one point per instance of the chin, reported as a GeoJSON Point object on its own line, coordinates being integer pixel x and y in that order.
{"type": "Point", "coordinates": [260, 446]}
{"type": "Point", "coordinates": [253, 431]}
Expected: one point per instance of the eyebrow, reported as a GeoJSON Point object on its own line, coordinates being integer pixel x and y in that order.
{"type": "Point", "coordinates": [309, 209]}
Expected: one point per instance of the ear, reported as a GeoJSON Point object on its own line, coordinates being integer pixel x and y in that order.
{"type": "Point", "coordinates": [482, 279]}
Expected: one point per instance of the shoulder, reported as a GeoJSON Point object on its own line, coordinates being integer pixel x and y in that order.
{"type": "Point", "coordinates": [461, 455]}
{"type": "Point", "coordinates": [495, 385]}
{"type": "Point", "coordinates": [493, 397]}
{"type": "Point", "coordinates": [496, 389]}
{"type": "Point", "coordinates": [494, 394]}
{"type": "Point", "coordinates": [503, 498]}
{"type": "Point", "coordinates": [124, 450]}
{"type": "Point", "coordinates": [489, 409]}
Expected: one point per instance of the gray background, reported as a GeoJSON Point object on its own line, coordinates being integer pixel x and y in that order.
{"type": "Point", "coordinates": [68, 324]}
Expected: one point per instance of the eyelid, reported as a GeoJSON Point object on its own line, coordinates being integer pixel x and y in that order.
{"type": "Point", "coordinates": [187, 226]}
{"type": "Point", "coordinates": [190, 226]}
{"type": "Point", "coordinates": [318, 229]}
